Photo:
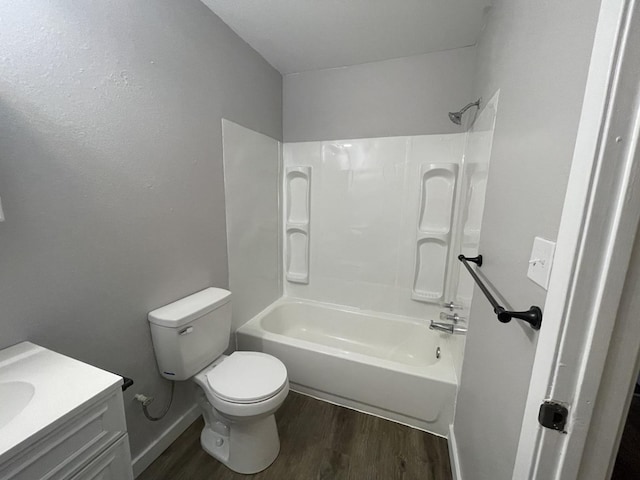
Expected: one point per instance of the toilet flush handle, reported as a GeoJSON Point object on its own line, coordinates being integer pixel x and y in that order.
{"type": "Point", "coordinates": [185, 331]}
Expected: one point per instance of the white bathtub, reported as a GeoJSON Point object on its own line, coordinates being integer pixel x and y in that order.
{"type": "Point", "coordinates": [381, 364]}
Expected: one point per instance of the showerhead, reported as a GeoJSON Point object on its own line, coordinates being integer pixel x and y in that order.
{"type": "Point", "coordinates": [456, 117]}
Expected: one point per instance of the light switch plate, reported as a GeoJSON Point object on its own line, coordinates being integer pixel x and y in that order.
{"type": "Point", "coordinates": [541, 261]}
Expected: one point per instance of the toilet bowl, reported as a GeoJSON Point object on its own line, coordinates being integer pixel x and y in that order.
{"type": "Point", "coordinates": [237, 394]}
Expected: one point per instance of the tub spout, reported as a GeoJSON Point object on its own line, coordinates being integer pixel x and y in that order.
{"type": "Point", "coordinates": [448, 328]}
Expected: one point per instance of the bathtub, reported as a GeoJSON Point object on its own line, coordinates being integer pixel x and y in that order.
{"type": "Point", "coordinates": [385, 365]}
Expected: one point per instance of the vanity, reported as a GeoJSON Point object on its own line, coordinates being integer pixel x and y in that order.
{"type": "Point", "coordinates": [60, 418]}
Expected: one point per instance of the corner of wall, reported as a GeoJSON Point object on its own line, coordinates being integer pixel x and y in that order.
{"type": "Point", "coordinates": [162, 442]}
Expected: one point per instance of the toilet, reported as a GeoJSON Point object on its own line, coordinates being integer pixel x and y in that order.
{"type": "Point", "coordinates": [237, 394]}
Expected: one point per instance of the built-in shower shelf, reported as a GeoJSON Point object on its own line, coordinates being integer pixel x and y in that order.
{"type": "Point", "coordinates": [433, 235]}
{"type": "Point", "coordinates": [297, 222]}
{"type": "Point", "coordinates": [303, 227]}
{"type": "Point", "coordinates": [298, 278]}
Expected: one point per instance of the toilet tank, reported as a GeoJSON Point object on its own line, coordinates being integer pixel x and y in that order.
{"type": "Point", "coordinates": [191, 333]}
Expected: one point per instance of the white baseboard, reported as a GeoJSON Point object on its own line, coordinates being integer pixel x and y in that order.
{"type": "Point", "coordinates": [153, 451]}
{"type": "Point", "coordinates": [456, 473]}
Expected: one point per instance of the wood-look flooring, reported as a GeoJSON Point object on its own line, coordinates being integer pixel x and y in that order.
{"type": "Point", "coordinates": [627, 465]}
{"type": "Point", "coordinates": [319, 441]}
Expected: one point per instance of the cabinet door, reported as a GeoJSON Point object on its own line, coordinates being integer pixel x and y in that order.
{"type": "Point", "coordinates": [114, 464]}
{"type": "Point", "coordinates": [66, 450]}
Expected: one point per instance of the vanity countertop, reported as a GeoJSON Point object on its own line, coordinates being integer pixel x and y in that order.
{"type": "Point", "coordinates": [41, 389]}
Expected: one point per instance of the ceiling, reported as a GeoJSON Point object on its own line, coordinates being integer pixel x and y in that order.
{"type": "Point", "coordinates": [301, 35]}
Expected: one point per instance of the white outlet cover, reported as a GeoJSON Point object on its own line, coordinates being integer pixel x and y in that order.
{"type": "Point", "coordinates": [541, 261]}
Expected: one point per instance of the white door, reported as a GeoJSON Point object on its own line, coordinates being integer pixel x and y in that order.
{"type": "Point", "coordinates": [595, 243]}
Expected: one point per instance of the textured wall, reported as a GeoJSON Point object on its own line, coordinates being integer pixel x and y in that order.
{"type": "Point", "coordinates": [537, 54]}
{"type": "Point", "coordinates": [404, 96]}
{"type": "Point", "coordinates": [111, 173]}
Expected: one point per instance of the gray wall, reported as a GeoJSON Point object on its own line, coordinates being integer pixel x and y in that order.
{"type": "Point", "coordinates": [537, 54]}
{"type": "Point", "coordinates": [111, 173]}
{"type": "Point", "coordinates": [404, 96]}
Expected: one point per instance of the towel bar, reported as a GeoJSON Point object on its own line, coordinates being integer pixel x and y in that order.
{"type": "Point", "coordinates": [533, 316]}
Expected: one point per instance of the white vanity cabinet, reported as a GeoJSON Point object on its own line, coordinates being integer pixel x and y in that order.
{"type": "Point", "coordinates": [72, 429]}
{"type": "Point", "coordinates": [113, 464]}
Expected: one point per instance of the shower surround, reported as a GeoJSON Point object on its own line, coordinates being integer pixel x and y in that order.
{"type": "Point", "coordinates": [380, 225]}
{"type": "Point", "coordinates": [370, 229]}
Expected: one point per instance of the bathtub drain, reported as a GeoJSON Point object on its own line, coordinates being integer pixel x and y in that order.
{"type": "Point", "coordinates": [438, 352]}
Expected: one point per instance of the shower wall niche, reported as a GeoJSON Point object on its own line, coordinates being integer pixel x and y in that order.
{"type": "Point", "coordinates": [438, 184]}
{"type": "Point", "coordinates": [297, 202]}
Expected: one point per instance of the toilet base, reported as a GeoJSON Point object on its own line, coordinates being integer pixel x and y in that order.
{"type": "Point", "coordinates": [243, 447]}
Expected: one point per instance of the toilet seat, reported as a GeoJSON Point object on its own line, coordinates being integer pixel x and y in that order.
{"type": "Point", "coordinates": [247, 378]}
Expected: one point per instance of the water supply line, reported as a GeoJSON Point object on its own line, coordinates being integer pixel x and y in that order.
{"type": "Point", "coordinates": [146, 401]}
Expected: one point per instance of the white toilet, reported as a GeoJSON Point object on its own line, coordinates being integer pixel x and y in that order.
{"type": "Point", "coordinates": [238, 394]}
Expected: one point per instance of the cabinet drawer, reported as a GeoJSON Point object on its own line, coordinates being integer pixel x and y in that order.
{"type": "Point", "coordinates": [66, 450]}
{"type": "Point", "coordinates": [114, 464]}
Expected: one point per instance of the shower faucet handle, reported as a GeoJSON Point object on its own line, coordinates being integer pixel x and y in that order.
{"type": "Point", "coordinates": [455, 318]}
{"type": "Point", "coordinates": [452, 306]}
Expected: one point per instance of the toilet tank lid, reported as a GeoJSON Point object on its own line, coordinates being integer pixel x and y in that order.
{"type": "Point", "coordinates": [187, 309]}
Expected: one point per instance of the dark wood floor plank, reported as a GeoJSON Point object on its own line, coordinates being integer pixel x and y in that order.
{"type": "Point", "coordinates": [333, 465]}
{"type": "Point", "coordinates": [319, 441]}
